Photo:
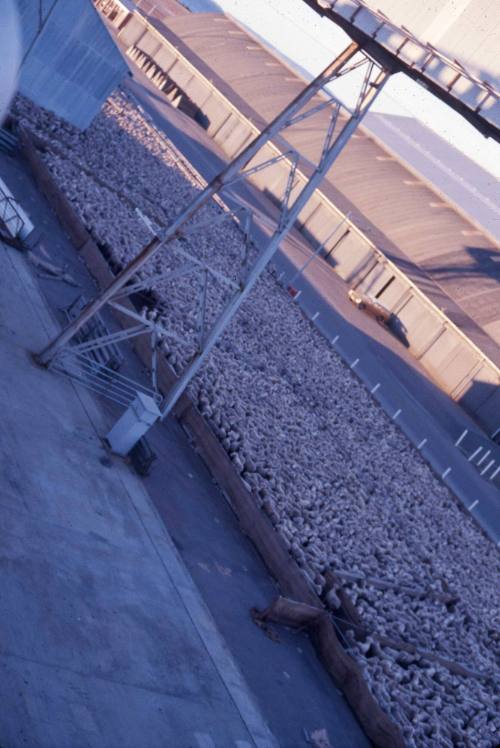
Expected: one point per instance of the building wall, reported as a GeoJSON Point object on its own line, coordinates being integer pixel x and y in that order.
{"type": "Point", "coordinates": [70, 62]}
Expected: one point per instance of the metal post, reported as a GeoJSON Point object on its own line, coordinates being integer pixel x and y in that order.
{"type": "Point", "coordinates": [330, 153]}
{"type": "Point", "coordinates": [224, 178]}
{"type": "Point", "coordinates": [301, 270]}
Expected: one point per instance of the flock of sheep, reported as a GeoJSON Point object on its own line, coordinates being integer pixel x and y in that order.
{"type": "Point", "coordinates": [346, 490]}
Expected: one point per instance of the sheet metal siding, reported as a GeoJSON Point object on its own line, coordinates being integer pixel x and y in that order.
{"type": "Point", "coordinates": [73, 65]}
{"type": "Point", "coordinates": [473, 37]}
{"type": "Point", "coordinates": [476, 41]}
{"type": "Point", "coordinates": [415, 16]}
{"type": "Point", "coordinates": [30, 13]}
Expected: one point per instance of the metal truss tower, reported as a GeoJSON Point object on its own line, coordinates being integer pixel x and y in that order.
{"type": "Point", "coordinates": [368, 80]}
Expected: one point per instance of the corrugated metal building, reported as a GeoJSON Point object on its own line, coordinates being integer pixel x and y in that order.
{"type": "Point", "coordinates": [424, 261]}
{"type": "Point", "coordinates": [432, 242]}
{"type": "Point", "coordinates": [70, 63]}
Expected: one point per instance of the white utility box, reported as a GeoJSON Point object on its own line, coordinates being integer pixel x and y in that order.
{"type": "Point", "coordinates": [141, 414]}
{"type": "Point", "coordinates": [12, 214]}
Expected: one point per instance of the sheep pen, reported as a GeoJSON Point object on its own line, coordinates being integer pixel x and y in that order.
{"type": "Point", "coordinates": [343, 486]}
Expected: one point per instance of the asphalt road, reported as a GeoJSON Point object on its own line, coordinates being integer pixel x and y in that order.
{"type": "Point", "coordinates": [431, 420]}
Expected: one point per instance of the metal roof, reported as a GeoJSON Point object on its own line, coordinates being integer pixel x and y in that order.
{"type": "Point", "coordinates": [404, 217]}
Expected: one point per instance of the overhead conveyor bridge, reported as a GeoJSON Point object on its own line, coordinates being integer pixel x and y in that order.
{"type": "Point", "coordinates": [452, 48]}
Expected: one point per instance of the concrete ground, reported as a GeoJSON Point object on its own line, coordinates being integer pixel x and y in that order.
{"type": "Point", "coordinates": [117, 630]}
{"type": "Point", "coordinates": [105, 640]}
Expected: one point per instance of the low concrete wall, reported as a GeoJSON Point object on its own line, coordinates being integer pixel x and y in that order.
{"type": "Point", "coordinates": [453, 361]}
{"type": "Point", "coordinates": [55, 196]}
{"type": "Point", "coordinates": [254, 523]}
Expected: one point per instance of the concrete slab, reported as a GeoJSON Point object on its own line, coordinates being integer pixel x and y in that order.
{"type": "Point", "coordinates": [105, 640]}
{"type": "Point", "coordinates": [293, 691]}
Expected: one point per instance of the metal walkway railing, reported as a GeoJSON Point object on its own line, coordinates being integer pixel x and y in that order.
{"type": "Point", "coordinates": [93, 359]}
{"type": "Point", "coordinates": [9, 214]}
{"type": "Point", "coordinates": [100, 377]}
